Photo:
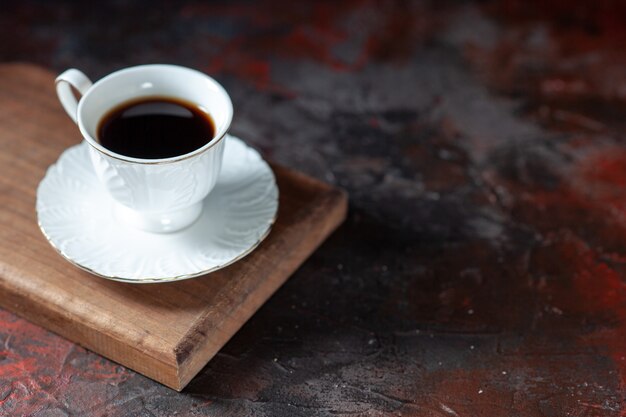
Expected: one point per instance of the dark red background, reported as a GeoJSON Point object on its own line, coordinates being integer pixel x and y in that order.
{"type": "Point", "coordinates": [481, 269]}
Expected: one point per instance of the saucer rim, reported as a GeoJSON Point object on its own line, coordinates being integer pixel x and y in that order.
{"type": "Point", "coordinates": [152, 280]}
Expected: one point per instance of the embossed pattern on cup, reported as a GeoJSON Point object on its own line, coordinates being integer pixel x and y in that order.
{"type": "Point", "coordinates": [159, 187]}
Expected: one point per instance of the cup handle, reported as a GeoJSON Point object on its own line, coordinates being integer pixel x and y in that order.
{"type": "Point", "coordinates": [64, 82]}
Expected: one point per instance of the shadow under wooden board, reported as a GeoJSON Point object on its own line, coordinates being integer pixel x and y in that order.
{"type": "Point", "coordinates": [169, 331]}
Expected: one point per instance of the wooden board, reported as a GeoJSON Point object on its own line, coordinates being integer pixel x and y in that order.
{"type": "Point", "coordinates": [167, 332]}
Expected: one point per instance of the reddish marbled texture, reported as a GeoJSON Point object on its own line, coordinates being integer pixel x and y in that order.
{"type": "Point", "coordinates": [312, 33]}
{"type": "Point", "coordinates": [578, 265]}
{"type": "Point", "coordinates": [567, 59]}
{"type": "Point", "coordinates": [572, 73]}
{"type": "Point", "coordinates": [40, 372]}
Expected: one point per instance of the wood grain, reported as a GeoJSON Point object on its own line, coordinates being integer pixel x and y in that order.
{"type": "Point", "coordinates": [169, 331]}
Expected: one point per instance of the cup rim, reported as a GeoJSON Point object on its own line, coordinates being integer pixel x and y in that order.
{"type": "Point", "coordinates": [97, 146]}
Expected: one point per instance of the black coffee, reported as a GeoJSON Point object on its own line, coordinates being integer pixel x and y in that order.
{"type": "Point", "coordinates": [155, 127]}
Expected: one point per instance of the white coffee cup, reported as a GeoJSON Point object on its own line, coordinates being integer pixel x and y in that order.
{"type": "Point", "coordinates": [155, 195]}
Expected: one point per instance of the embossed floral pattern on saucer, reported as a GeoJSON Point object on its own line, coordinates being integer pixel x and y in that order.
{"type": "Point", "coordinates": [76, 216]}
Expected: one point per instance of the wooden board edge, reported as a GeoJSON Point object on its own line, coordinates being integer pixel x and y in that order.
{"type": "Point", "coordinates": [330, 211]}
{"type": "Point", "coordinates": [101, 343]}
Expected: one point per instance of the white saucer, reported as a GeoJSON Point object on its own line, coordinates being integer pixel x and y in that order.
{"type": "Point", "coordinates": [75, 214]}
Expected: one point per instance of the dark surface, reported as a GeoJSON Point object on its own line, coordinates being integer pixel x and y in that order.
{"type": "Point", "coordinates": [481, 270]}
